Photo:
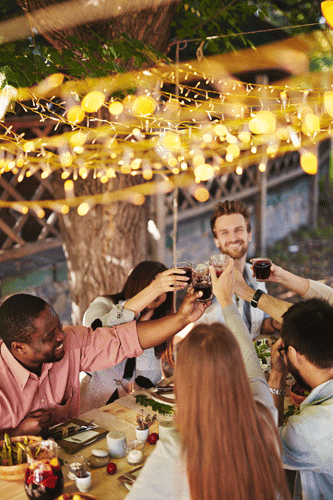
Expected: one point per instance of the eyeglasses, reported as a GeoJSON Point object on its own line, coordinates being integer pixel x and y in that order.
{"type": "Point", "coordinates": [281, 349]}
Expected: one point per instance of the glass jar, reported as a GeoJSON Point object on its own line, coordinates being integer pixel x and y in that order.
{"type": "Point", "coordinates": [43, 477]}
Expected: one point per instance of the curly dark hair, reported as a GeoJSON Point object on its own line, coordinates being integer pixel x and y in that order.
{"type": "Point", "coordinates": [17, 316]}
{"type": "Point", "coordinates": [229, 207]}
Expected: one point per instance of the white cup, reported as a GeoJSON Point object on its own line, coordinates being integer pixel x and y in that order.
{"type": "Point", "coordinates": [116, 441]}
{"type": "Point", "coordinates": [83, 483]}
{"type": "Point", "coordinates": [141, 434]}
{"type": "Point", "coordinates": [165, 428]}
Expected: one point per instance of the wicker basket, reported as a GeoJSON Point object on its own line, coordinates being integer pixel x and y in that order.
{"type": "Point", "coordinates": [15, 472]}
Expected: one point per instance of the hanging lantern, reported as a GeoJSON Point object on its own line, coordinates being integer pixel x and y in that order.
{"type": "Point", "coordinates": [327, 10]}
{"type": "Point", "coordinates": [116, 108]}
{"type": "Point", "coordinates": [143, 106]}
{"type": "Point", "coordinates": [264, 122]}
{"type": "Point", "coordinates": [310, 124]}
{"type": "Point", "coordinates": [309, 163]}
{"type": "Point", "coordinates": [328, 102]}
{"type": "Point", "coordinates": [75, 114]}
{"type": "Point", "coordinates": [93, 101]}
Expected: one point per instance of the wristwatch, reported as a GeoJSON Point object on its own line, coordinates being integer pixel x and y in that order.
{"type": "Point", "coordinates": [256, 297]}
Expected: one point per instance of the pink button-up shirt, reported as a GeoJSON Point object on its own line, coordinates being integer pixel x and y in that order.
{"type": "Point", "coordinates": [58, 387]}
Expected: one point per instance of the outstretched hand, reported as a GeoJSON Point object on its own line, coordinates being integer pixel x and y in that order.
{"type": "Point", "coordinates": [191, 309]}
{"type": "Point", "coordinates": [276, 273]}
{"type": "Point", "coordinates": [170, 280]}
{"type": "Point", "coordinates": [224, 286]}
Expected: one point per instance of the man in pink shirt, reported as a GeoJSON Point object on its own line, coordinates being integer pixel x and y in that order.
{"type": "Point", "coordinates": [40, 361]}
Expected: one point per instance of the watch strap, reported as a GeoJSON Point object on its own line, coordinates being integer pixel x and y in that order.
{"type": "Point", "coordinates": [278, 392]}
{"type": "Point", "coordinates": [255, 299]}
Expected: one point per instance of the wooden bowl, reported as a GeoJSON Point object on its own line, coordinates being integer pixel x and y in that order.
{"type": "Point", "coordinates": [15, 472]}
{"type": "Point", "coordinates": [294, 395]}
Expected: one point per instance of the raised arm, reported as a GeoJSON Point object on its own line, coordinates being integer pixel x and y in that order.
{"type": "Point", "coordinates": [168, 281]}
{"type": "Point", "coordinates": [223, 290]}
{"type": "Point", "coordinates": [271, 305]}
{"type": "Point", "coordinates": [289, 280]}
{"type": "Point", "coordinates": [110, 314]}
{"type": "Point", "coordinates": [156, 331]}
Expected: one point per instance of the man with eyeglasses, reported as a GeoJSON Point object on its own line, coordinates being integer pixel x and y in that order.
{"type": "Point", "coordinates": [305, 349]}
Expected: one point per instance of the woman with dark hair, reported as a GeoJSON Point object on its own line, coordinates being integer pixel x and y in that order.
{"type": "Point", "coordinates": [147, 294]}
{"type": "Point", "coordinates": [226, 445]}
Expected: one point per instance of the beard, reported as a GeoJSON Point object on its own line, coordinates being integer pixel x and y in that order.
{"type": "Point", "coordinates": [235, 253]}
{"type": "Point", "coordinates": [297, 376]}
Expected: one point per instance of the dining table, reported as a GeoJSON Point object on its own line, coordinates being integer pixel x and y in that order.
{"type": "Point", "coordinates": [118, 416]}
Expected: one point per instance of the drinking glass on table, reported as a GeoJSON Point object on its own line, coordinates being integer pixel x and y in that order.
{"type": "Point", "coordinates": [187, 267]}
{"type": "Point", "coordinates": [202, 282]}
{"type": "Point", "coordinates": [219, 261]}
{"type": "Point", "coordinates": [43, 477]}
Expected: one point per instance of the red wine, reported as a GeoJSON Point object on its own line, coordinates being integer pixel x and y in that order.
{"type": "Point", "coordinates": [44, 482]}
{"type": "Point", "coordinates": [262, 269]}
{"type": "Point", "coordinates": [218, 271]}
{"type": "Point", "coordinates": [205, 288]}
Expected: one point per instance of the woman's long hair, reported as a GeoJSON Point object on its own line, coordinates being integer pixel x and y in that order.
{"type": "Point", "coordinates": [230, 442]}
{"type": "Point", "coordinates": [139, 278]}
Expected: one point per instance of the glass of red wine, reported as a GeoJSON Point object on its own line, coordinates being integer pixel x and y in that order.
{"type": "Point", "coordinates": [44, 479]}
{"type": "Point", "coordinates": [187, 267]}
{"type": "Point", "coordinates": [202, 282]}
{"type": "Point", "coordinates": [219, 261]}
{"type": "Point", "coordinates": [261, 268]}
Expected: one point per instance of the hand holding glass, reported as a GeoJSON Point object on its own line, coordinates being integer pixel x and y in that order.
{"type": "Point", "coordinates": [202, 282]}
{"type": "Point", "coordinates": [219, 261]}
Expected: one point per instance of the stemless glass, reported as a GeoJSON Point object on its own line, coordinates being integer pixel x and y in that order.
{"type": "Point", "coordinates": [43, 477]}
{"type": "Point", "coordinates": [202, 282]}
{"type": "Point", "coordinates": [219, 261]}
{"type": "Point", "coordinates": [188, 268]}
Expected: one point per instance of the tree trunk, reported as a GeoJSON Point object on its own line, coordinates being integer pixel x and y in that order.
{"type": "Point", "coordinates": [102, 246]}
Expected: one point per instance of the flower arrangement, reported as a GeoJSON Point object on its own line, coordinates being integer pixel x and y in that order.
{"type": "Point", "coordinates": [144, 422]}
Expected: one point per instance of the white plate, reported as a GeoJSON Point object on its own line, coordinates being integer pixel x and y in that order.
{"type": "Point", "coordinates": [169, 396]}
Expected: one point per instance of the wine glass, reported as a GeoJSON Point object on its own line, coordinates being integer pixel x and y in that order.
{"type": "Point", "coordinates": [219, 261]}
{"type": "Point", "coordinates": [202, 282]}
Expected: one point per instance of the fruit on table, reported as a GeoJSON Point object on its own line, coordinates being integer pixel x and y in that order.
{"type": "Point", "coordinates": [153, 438]}
{"type": "Point", "coordinates": [111, 468]}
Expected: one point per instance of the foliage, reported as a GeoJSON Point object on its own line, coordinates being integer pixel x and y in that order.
{"type": "Point", "coordinates": [159, 407]}
{"type": "Point", "coordinates": [28, 61]}
{"type": "Point", "coordinates": [262, 351]}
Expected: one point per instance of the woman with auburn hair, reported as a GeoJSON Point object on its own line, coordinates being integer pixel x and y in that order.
{"type": "Point", "coordinates": [147, 294]}
{"type": "Point", "coordinates": [226, 445]}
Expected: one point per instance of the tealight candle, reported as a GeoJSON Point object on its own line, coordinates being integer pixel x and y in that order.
{"type": "Point", "coordinates": [134, 457]}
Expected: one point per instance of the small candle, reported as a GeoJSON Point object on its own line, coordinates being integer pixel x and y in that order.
{"type": "Point", "coordinates": [134, 457]}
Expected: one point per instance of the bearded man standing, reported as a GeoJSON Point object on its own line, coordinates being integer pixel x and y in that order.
{"type": "Point", "coordinates": [230, 224]}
